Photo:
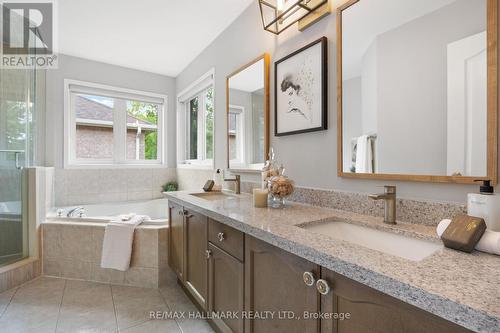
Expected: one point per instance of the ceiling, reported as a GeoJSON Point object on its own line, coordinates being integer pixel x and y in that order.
{"type": "Point", "coordinates": [378, 17]}
{"type": "Point", "coordinates": [159, 36]}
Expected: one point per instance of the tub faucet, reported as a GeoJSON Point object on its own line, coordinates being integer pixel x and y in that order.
{"type": "Point", "coordinates": [389, 197]}
{"type": "Point", "coordinates": [77, 211]}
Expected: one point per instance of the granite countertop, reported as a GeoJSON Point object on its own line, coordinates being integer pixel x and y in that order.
{"type": "Point", "coordinates": [460, 287]}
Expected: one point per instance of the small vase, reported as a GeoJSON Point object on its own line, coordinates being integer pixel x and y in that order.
{"type": "Point", "coordinates": [277, 202]}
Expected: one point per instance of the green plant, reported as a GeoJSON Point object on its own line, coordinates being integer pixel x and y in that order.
{"type": "Point", "coordinates": [170, 187]}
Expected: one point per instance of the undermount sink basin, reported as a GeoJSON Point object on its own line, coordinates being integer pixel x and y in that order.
{"type": "Point", "coordinates": [213, 196]}
{"type": "Point", "coordinates": [393, 244]}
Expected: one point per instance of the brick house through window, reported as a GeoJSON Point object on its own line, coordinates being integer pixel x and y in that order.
{"type": "Point", "coordinates": [94, 131]}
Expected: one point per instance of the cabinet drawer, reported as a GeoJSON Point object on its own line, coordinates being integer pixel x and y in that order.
{"type": "Point", "coordinates": [227, 238]}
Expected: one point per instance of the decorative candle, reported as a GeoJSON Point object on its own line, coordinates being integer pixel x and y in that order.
{"type": "Point", "coordinates": [260, 198]}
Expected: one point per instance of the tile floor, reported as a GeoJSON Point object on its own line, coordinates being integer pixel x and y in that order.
{"type": "Point", "coordinates": [59, 305]}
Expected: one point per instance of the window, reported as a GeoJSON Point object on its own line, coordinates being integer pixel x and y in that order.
{"type": "Point", "coordinates": [236, 134]}
{"type": "Point", "coordinates": [200, 126]}
{"type": "Point", "coordinates": [112, 126]}
{"type": "Point", "coordinates": [195, 123]}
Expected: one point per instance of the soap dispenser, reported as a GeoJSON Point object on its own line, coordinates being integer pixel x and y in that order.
{"type": "Point", "coordinates": [485, 204]}
{"type": "Point", "coordinates": [217, 181]}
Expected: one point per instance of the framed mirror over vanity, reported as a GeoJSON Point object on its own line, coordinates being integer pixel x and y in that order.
{"type": "Point", "coordinates": [417, 90]}
{"type": "Point", "coordinates": [247, 91]}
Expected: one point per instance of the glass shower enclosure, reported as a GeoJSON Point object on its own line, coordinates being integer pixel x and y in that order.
{"type": "Point", "coordinates": [17, 151]}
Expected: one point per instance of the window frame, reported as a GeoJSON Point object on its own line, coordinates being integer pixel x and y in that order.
{"type": "Point", "coordinates": [119, 159]}
{"type": "Point", "coordinates": [240, 134]}
{"type": "Point", "coordinates": [196, 89]}
{"type": "Point", "coordinates": [201, 129]}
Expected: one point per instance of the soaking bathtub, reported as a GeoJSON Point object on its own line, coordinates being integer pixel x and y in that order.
{"type": "Point", "coordinates": [72, 247]}
{"type": "Point", "coordinates": [156, 209]}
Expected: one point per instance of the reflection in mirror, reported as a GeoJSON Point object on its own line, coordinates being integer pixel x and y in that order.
{"type": "Point", "coordinates": [414, 87]}
{"type": "Point", "coordinates": [247, 116]}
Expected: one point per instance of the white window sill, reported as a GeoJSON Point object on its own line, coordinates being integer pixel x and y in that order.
{"type": "Point", "coordinates": [116, 166]}
{"type": "Point", "coordinates": [196, 166]}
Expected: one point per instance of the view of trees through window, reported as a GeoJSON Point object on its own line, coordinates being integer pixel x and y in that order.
{"type": "Point", "coordinates": [201, 126]}
{"type": "Point", "coordinates": [96, 136]}
{"type": "Point", "coordinates": [16, 119]}
{"type": "Point", "coordinates": [193, 128]}
{"type": "Point", "coordinates": [148, 113]}
{"type": "Point", "coordinates": [209, 123]}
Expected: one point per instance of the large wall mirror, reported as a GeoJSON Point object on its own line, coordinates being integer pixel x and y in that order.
{"type": "Point", "coordinates": [248, 115]}
{"type": "Point", "coordinates": [418, 90]}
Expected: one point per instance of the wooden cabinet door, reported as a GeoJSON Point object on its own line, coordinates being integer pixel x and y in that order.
{"type": "Point", "coordinates": [225, 289]}
{"type": "Point", "coordinates": [374, 312]}
{"type": "Point", "coordinates": [176, 240]}
{"type": "Point", "coordinates": [195, 263]}
{"type": "Point", "coordinates": [274, 282]}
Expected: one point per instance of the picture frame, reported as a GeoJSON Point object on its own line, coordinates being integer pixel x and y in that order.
{"type": "Point", "coordinates": [301, 90]}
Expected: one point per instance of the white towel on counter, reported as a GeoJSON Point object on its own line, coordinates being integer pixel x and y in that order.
{"type": "Point", "coordinates": [117, 244]}
{"type": "Point", "coordinates": [364, 155]}
{"type": "Point", "coordinates": [489, 242]}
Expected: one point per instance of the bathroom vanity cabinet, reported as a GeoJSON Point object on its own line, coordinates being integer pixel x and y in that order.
{"type": "Point", "coordinates": [274, 288]}
{"type": "Point", "coordinates": [176, 239]}
{"type": "Point", "coordinates": [373, 311]}
{"type": "Point", "coordinates": [223, 270]}
{"type": "Point", "coordinates": [188, 246]}
{"type": "Point", "coordinates": [225, 285]}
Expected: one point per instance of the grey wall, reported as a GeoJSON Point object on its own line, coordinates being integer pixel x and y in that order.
{"type": "Point", "coordinates": [352, 126]}
{"type": "Point", "coordinates": [96, 72]}
{"type": "Point", "coordinates": [412, 87]}
{"type": "Point", "coordinates": [257, 155]}
{"type": "Point", "coordinates": [249, 102]}
{"type": "Point", "coordinates": [370, 91]}
{"type": "Point", "coordinates": [241, 98]}
{"type": "Point", "coordinates": [311, 159]}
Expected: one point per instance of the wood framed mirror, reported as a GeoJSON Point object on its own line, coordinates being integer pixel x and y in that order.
{"type": "Point", "coordinates": [247, 102]}
{"type": "Point", "coordinates": [417, 90]}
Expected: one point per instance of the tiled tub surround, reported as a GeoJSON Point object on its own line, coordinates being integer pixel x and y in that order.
{"type": "Point", "coordinates": [460, 287]}
{"type": "Point", "coordinates": [411, 211]}
{"type": "Point", "coordinates": [73, 250]}
{"type": "Point", "coordinates": [88, 186]}
{"type": "Point", "coordinates": [193, 179]}
{"type": "Point", "coordinates": [155, 209]}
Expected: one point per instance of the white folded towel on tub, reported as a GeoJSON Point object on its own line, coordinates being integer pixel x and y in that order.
{"type": "Point", "coordinates": [117, 244]}
{"type": "Point", "coordinates": [489, 242]}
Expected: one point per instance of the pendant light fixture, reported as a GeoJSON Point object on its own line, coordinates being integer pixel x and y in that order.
{"type": "Point", "coordinates": [278, 15]}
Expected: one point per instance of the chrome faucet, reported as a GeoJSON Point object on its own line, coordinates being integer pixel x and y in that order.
{"type": "Point", "coordinates": [389, 197]}
{"type": "Point", "coordinates": [77, 211]}
{"type": "Point", "coordinates": [237, 181]}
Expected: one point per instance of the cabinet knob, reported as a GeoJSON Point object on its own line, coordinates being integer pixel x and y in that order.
{"type": "Point", "coordinates": [308, 279]}
{"type": "Point", "coordinates": [322, 287]}
{"type": "Point", "coordinates": [186, 214]}
{"type": "Point", "coordinates": [221, 236]}
{"type": "Point", "coordinates": [208, 254]}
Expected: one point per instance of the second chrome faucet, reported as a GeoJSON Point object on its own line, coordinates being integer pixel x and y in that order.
{"type": "Point", "coordinates": [237, 183]}
{"type": "Point", "coordinates": [389, 197]}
